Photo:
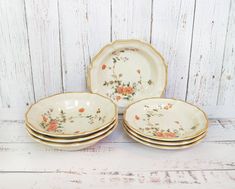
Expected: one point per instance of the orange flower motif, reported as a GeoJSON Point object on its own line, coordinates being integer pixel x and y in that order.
{"type": "Point", "coordinates": [118, 98]}
{"type": "Point", "coordinates": [52, 125]}
{"type": "Point", "coordinates": [137, 117]}
{"type": "Point", "coordinates": [159, 134]}
{"type": "Point", "coordinates": [129, 90]}
{"type": "Point", "coordinates": [165, 134]}
{"type": "Point", "coordinates": [169, 135]}
{"type": "Point", "coordinates": [125, 90]}
{"type": "Point", "coordinates": [45, 118]}
{"type": "Point", "coordinates": [120, 90]}
{"type": "Point", "coordinates": [81, 110]}
{"type": "Point", "coordinates": [103, 66]}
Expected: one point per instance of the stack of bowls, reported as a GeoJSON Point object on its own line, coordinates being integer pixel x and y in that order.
{"type": "Point", "coordinates": [71, 121]}
{"type": "Point", "coordinates": [165, 123]}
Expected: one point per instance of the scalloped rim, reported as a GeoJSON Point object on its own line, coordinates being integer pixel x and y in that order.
{"type": "Point", "coordinates": [159, 142]}
{"type": "Point", "coordinates": [164, 147]}
{"type": "Point", "coordinates": [70, 135]}
{"type": "Point", "coordinates": [166, 139]}
{"type": "Point", "coordinates": [109, 45]}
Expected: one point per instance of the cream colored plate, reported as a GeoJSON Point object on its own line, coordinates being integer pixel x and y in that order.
{"type": "Point", "coordinates": [167, 143]}
{"type": "Point", "coordinates": [126, 71]}
{"type": "Point", "coordinates": [165, 119]}
{"type": "Point", "coordinates": [71, 114]}
{"type": "Point", "coordinates": [74, 145]}
{"type": "Point", "coordinates": [166, 147]}
{"type": "Point", "coordinates": [69, 140]}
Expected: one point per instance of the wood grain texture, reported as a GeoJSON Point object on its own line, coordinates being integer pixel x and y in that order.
{"type": "Point", "coordinates": [209, 35]}
{"type": "Point", "coordinates": [120, 179]}
{"type": "Point", "coordinates": [43, 30]}
{"type": "Point", "coordinates": [131, 19]}
{"type": "Point", "coordinates": [227, 80]}
{"type": "Point", "coordinates": [171, 35]}
{"type": "Point", "coordinates": [84, 28]}
{"type": "Point", "coordinates": [16, 89]}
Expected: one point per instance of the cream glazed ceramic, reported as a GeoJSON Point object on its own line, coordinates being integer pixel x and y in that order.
{"type": "Point", "coordinates": [126, 71]}
{"type": "Point", "coordinates": [69, 140]}
{"type": "Point", "coordinates": [166, 147]}
{"type": "Point", "coordinates": [167, 143]}
{"type": "Point", "coordinates": [74, 145]}
{"type": "Point", "coordinates": [165, 119]}
{"type": "Point", "coordinates": [71, 114]}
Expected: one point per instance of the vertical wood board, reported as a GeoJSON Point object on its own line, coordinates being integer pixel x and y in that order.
{"type": "Point", "coordinates": [44, 40]}
{"type": "Point", "coordinates": [209, 35]}
{"type": "Point", "coordinates": [85, 28]}
{"type": "Point", "coordinates": [227, 80]}
{"type": "Point", "coordinates": [16, 89]}
{"type": "Point", "coordinates": [171, 35]}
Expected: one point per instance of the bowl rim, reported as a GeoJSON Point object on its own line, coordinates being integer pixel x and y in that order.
{"type": "Point", "coordinates": [166, 139]}
{"type": "Point", "coordinates": [109, 45]}
{"type": "Point", "coordinates": [163, 147]}
{"type": "Point", "coordinates": [68, 140]}
{"type": "Point", "coordinates": [31, 126]}
{"type": "Point", "coordinates": [167, 143]}
{"type": "Point", "coordinates": [75, 144]}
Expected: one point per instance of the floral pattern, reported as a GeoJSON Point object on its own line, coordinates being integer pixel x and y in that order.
{"type": "Point", "coordinates": [56, 123]}
{"type": "Point", "coordinates": [120, 89]}
{"type": "Point", "coordinates": [154, 129]}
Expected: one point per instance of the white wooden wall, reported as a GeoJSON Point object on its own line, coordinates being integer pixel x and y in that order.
{"type": "Point", "coordinates": [45, 46]}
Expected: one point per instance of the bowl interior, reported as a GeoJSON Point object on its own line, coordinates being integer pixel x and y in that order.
{"type": "Point", "coordinates": [165, 118]}
{"type": "Point", "coordinates": [71, 113]}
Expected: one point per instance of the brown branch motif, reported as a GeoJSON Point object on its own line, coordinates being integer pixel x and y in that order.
{"type": "Point", "coordinates": [154, 128]}
{"type": "Point", "coordinates": [120, 89]}
{"type": "Point", "coordinates": [55, 123]}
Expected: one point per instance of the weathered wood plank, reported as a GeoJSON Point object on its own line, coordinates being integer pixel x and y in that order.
{"type": "Point", "coordinates": [16, 88]}
{"type": "Point", "coordinates": [84, 29]}
{"type": "Point", "coordinates": [117, 156]}
{"type": "Point", "coordinates": [171, 35]}
{"type": "Point", "coordinates": [209, 33]}
{"type": "Point", "coordinates": [227, 81]}
{"type": "Point", "coordinates": [44, 40]}
{"type": "Point", "coordinates": [131, 19]}
{"type": "Point", "coordinates": [120, 179]}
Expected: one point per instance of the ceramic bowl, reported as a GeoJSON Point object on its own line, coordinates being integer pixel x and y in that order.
{"type": "Point", "coordinates": [74, 145]}
{"type": "Point", "coordinates": [165, 119]}
{"type": "Point", "coordinates": [72, 139]}
{"type": "Point", "coordinates": [126, 71]}
{"type": "Point", "coordinates": [167, 143]}
{"type": "Point", "coordinates": [165, 147]}
{"type": "Point", "coordinates": [71, 114]}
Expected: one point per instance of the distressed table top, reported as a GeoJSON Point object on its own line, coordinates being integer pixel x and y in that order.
{"type": "Point", "coordinates": [118, 162]}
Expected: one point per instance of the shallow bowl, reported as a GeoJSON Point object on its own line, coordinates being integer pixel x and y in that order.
{"type": "Point", "coordinates": [74, 145]}
{"type": "Point", "coordinates": [166, 119]}
{"type": "Point", "coordinates": [71, 139]}
{"type": "Point", "coordinates": [71, 114]}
